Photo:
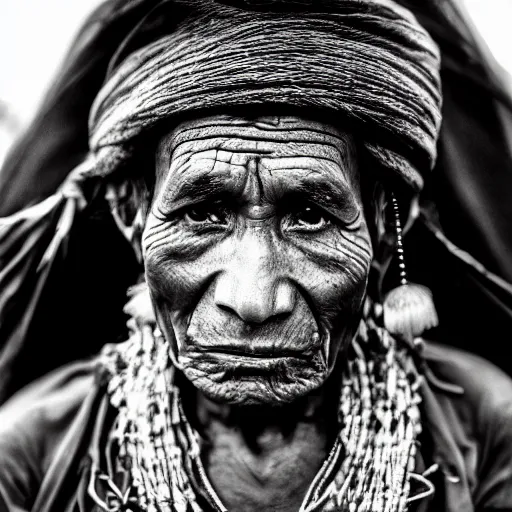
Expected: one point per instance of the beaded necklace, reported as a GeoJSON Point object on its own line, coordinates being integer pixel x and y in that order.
{"type": "Point", "coordinates": [378, 416]}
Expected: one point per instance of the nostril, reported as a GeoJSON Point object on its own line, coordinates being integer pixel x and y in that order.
{"type": "Point", "coordinates": [279, 317]}
{"type": "Point", "coordinates": [227, 309]}
{"type": "Point", "coordinates": [255, 301]}
{"type": "Point", "coordinates": [253, 317]}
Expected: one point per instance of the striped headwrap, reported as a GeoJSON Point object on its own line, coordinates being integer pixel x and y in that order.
{"type": "Point", "coordinates": [369, 65]}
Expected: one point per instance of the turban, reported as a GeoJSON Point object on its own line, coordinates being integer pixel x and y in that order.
{"type": "Point", "coordinates": [368, 64]}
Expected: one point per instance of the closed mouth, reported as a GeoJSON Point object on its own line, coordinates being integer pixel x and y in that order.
{"type": "Point", "coordinates": [255, 354]}
{"type": "Point", "coordinates": [249, 352]}
{"type": "Point", "coordinates": [242, 364]}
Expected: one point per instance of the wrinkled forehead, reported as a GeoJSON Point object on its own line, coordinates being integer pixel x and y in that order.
{"type": "Point", "coordinates": [287, 147]}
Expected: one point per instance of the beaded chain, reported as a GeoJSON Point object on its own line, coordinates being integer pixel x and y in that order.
{"type": "Point", "coordinates": [150, 428]}
{"type": "Point", "coordinates": [381, 422]}
{"type": "Point", "coordinates": [379, 419]}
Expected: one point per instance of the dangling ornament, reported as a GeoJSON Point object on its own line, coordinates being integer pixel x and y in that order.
{"type": "Point", "coordinates": [409, 309]}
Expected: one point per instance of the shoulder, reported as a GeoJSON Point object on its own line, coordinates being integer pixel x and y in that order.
{"type": "Point", "coordinates": [48, 400]}
{"type": "Point", "coordinates": [480, 416]}
{"type": "Point", "coordinates": [34, 422]}
{"type": "Point", "coordinates": [485, 386]}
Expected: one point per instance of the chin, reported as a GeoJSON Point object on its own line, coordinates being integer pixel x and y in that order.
{"type": "Point", "coordinates": [244, 380]}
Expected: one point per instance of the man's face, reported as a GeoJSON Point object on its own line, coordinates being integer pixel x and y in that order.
{"type": "Point", "coordinates": [257, 253]}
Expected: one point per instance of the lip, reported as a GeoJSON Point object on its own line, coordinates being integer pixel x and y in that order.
{"type": "Point", "coordinates": [255, 351]}
{"type": "Point", "coordinates": [267, 354]}
{"type": "Point", "coordinates": [243, 364]}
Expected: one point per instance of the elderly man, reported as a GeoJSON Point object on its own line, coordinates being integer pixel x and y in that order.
{"type": "Point", "coordinates": [259, 158]}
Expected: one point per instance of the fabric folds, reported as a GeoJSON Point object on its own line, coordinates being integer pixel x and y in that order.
{"type": "Point", "coordinates": [369, 64]}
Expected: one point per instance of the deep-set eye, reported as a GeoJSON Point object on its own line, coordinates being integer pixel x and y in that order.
{"type": "Point", "coordinates": [210, 215]}
{"type": "Point", "coordinates": [309, 218]}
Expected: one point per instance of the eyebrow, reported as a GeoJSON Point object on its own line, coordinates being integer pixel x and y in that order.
{"type": "Point", "coordinates": [215, 188]}
{"type": "Point", "coordinates": [323, 192]}
{"type": "Point", "coordinates": [338, 201]}
{"type": "Point", "coordinates": [199, 189]}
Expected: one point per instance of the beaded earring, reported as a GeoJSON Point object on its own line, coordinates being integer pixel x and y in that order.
{"type": "Point", "coordinates": [409, 309]}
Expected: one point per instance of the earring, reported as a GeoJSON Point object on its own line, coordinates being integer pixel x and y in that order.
{"type": "Point", "coordinates": [409, 309]}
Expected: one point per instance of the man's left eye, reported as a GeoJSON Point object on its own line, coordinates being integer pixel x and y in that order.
{"type": "Point", "coordinates": [205, 215]}
{"type": "Point", "coordinates": [309, 218]}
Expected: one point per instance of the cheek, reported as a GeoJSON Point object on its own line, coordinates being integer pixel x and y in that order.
{"type": "Point", "coordinates": [335, 275]}
{"type": "Point", "coordinates": [177, 266]}
{"type": "Point", "coordinates": [162, 238]}
{"type": "Point", "coordinates": [334, 271]}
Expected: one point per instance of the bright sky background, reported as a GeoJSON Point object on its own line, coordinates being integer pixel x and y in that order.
{"type": "Point", "coordinates": [35, 34]}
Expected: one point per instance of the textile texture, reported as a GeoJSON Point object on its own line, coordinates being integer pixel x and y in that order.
{"type": "Point", "coordinates": [367, 65]}
{"type": "Point", "coordinates": [379, 421]}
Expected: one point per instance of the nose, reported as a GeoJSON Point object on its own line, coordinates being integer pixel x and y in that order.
{"type": "Point", "coordinates": [251, 287]}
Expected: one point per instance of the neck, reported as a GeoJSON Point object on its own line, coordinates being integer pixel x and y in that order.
{"type": "Point", "coordinates": [266, 454]}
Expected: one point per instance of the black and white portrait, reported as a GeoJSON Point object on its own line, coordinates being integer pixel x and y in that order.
{"type": "Point", "coordinates": [255, 256]}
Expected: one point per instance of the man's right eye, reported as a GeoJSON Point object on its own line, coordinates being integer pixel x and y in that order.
{"type": "Point", "coordinates": [206, 215]}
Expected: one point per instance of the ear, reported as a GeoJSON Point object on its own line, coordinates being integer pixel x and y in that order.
{"type": "Point", "coordinates": [129, 204]}
{"type": "Point", "coordinates": [380, 224]}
